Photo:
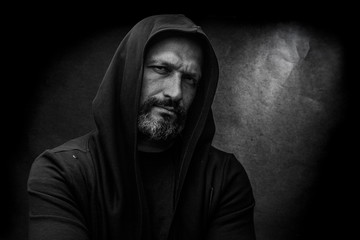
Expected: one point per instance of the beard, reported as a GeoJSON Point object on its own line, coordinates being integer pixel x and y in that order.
{"type": "Point", "coordinates": [165, 127]}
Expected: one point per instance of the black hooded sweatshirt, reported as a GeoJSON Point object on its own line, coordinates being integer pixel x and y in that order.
{"type": "Point", "coordinates": [91, 186]}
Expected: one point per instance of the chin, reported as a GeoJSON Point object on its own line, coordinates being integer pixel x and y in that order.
{"type": "Point", "coordinates": [157, 128]}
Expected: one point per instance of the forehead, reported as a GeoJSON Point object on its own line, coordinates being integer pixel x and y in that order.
{"type": "Point", "coordinates": [182, 47]}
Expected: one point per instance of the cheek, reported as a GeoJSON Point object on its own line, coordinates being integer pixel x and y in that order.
{"type": "Point", "coordinates": [144, 93]}
{"type": "Point", "coordinates": [188, 97]}
{"type": "Point", "coordinates": [148, 87]}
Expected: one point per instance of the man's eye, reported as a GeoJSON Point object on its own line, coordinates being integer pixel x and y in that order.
{"type": "Point", "coordinates": [191, 81]}
{"type": "Point", "coordinates": [160, 69]}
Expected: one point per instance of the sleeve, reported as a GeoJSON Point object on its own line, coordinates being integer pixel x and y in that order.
{"type": "Point", "coordinates": [53, 212]}
{"type": "Point", "coordinates": [233, 216]}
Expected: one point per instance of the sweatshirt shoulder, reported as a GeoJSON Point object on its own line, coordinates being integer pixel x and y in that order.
{"type": "Point", "coordinates": [64, 175]}
{"type": "Point", "coordinates": [72, 157]}
{"type": "Point", "coordinates": [76, 144]}
{"type": "Point", "coordinates": [222, 157]}
{"type": "Point", "coordinates": [224, 160]}
{"type": "Point", "coordinates": [218, 154]}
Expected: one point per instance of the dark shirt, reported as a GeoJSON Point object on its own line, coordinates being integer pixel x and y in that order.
{"type": "Point", "coordinates": [158, 172]}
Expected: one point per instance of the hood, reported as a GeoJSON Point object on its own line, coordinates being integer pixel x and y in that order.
{"type": "Point", "coordinates": [115, 109]}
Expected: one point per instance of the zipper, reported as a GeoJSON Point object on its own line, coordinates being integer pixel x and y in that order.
{"type": "Point", "coordinates": [210, 199]}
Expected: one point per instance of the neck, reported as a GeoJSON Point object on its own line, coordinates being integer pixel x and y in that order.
{"type": "Point", "coordinates": [147, 145]}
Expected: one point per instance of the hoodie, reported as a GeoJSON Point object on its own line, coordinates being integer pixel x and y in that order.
{"type": "Point", "coordinates": [91, 187]}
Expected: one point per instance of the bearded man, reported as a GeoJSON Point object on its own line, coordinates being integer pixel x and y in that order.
{"type": "Point", "coordinates": [148, 170]}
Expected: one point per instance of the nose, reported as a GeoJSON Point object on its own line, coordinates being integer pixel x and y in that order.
{"type": "Point", "coordinates": [172, 88]}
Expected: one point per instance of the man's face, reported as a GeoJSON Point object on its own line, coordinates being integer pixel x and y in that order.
{"type": "Point", "coordinates": [172, 70]}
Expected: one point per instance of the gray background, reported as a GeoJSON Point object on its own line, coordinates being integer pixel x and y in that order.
{"type": "Point", "coordinates": [282, 107]}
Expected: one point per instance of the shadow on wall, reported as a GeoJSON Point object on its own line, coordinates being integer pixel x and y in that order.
{"type": "Point", "coordinates": [278, 99]}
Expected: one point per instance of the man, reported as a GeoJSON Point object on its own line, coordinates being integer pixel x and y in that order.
{"type": "Point", "coordinates": [148, 170]}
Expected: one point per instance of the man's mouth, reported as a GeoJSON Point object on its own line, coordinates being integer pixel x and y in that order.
{"type": "Point", "coordinates": [169, 110]}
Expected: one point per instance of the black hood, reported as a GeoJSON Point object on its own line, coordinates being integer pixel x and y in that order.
{"type": "Point", "coordinates": [115, 110]}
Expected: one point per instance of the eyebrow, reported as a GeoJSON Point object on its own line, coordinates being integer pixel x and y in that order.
{"type": "Point", "coordinates": [173, 66]}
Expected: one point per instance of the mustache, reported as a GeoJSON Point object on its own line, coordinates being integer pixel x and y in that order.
{"type": "Point", "coordinates": [165, 103]}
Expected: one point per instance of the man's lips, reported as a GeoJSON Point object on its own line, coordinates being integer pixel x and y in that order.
{"type": "Point", "coordinates": [171, 109]}
{"type": "Point", "coordinates": [167, 109]}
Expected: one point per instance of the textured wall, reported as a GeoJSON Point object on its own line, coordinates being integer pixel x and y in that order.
{"type": "Point", "coordinates": [279, 98]}
{"type": "Point", "coordinates": [276, 102]}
